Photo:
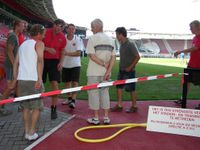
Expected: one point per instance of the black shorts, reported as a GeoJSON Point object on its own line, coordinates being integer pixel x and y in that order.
{"type": "Point", "coordinates": [126, 75]}
{"type": "Point", "coordinates": [51, 69]}
{"type": "Point", "coordinates": [70, 74]}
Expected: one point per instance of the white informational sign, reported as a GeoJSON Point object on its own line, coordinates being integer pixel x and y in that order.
{"type": "Point", "coordinates": [174, 120]}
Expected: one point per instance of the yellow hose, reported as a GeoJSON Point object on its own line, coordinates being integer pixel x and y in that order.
{"type": "Point", "coordinates": [126, 127]}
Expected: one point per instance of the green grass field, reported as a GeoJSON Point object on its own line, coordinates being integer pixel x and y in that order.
{"type": "Point", "coordinates": [161, 89]}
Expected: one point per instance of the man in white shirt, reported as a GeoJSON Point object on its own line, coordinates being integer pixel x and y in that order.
{"type": "Point", "coordinates": [101, 52]}
{"type": "Point", "coordinates": [71, 63]}
{"type": "Point", "coordinates": [27, 72]}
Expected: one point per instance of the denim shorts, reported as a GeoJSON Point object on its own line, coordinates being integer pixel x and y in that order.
{"type": "Point", "coordinates": [122, 75]}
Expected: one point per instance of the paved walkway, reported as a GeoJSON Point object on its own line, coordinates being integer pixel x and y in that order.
{"type": "Point", "coordinates": [12, 130]}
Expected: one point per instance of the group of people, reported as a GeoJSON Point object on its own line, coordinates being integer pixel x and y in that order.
{"type": "Point", "coordinates": [30, 60]}
{"type": "Point", "coordinates": [49, 52]}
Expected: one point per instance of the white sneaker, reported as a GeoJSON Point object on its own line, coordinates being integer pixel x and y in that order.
{"type": "Point", "coordinates": [72, 105]}
{"type": "Point", "coordinates": [106, 120]}
{"type": "Point", "coordinates": [66, 102]}
{"type": "Point", "coordinates": [26, 136]}
{"type": "Point", "coordinates": [33, 137]}
{"type": "Point", "coordinates": [94, 121]}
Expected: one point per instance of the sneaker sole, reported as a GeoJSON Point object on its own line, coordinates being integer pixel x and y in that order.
{"type": "Point", "coordinates": [178, 102]}
{"type": "Point", "coordinates": [106, 123]}
{"type": "Point", "coordinates": [131, 111]}
{"type": "Point", "coordinates": [127, 111]}
{"type": "Point", "coordinates": [71, 106]}
{"type": "Point", "coordinates": [117, 110]}
{"type": "Point", "coordinates": [33, 139]}
{"type": "Point", "coordinates": [65, 103]}
{"type": "Point", "coordinates": [93, 123]}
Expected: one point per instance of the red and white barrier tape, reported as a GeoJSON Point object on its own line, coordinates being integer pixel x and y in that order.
{"type": "Point", "coordinates": [87, 87]}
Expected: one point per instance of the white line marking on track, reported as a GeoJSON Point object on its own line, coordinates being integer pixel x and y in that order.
{"type": "Point", "coordinates": [48, 134]}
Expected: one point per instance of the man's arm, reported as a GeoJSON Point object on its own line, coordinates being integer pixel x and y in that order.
{"type": "Point", "coordinates": [61, 60]}
{"type": "Point", "coordinates": [186, 51]}
{"type": "Point", "coordinates": [15, 71]}
{"type": "Point", "coordinates": [40, 62]}
{"type": "Point", "coordinates": [109, 68]}
{"type": "Point", "coordinates": [76, 53]}
{"type": "Point", "coordinates": [10, 50]}
{"type": "Point", "coordinates": [98, 61]}
{"type": "Point", "coordinates": [50, 50]}
{"type": "Point", "coordinates": [134, 62]}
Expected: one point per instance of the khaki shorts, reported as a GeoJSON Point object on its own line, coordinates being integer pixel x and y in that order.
{"type": "Point", "coordinates": [98, 98]}
{"type": "Point", "coordinates": [28, 88]}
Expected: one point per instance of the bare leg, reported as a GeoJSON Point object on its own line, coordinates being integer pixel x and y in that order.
{"type": "Point", "coordinates": [106, 111]}
{"type": "Point", "coordinates": [74, 94]}
{"type": "Point", "coordinates": [119, 97]}
{"type": "Point", "coordinates": [26, 117]}
{"type": "Point", "coordinates": [133, 98]}
{"type": "Point", "coordinates": [34, 119]}
{"type": "Point", "coordinates": [54, 86]}
{"type": "Point", "coordinates": [96, 114]}
{"type": "Point", "coordinates": [7, 92]}
{"type": "Point", "coordinates": [68, 85]}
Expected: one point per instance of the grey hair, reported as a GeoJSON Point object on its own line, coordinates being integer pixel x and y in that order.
{"type": "Point", "coordinates": [196, 23]}
{"type": "Point", "coordinates": [97, 22]}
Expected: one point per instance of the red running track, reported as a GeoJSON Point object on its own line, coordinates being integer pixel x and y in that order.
{"type": "Point", "coordinates": [133, 139]}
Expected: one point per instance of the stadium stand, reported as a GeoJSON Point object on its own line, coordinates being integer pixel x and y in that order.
{"type": "Point", "coordinates": [155, 44]}
{"type": "Point", "coordinates": [177, 44]}
{"type": "Point", "coordinates": [161, 47]}
{"type": "Point", "coordinates": [157, 47]}
{"type": "Point", "coordinates": [33, 11]}
{"type": "Point", "coordinates": [36, 11]}
{"type": "Point", "coordinates": [159, 44]}
{"type": "Point", "coordinates": [42, 11]}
